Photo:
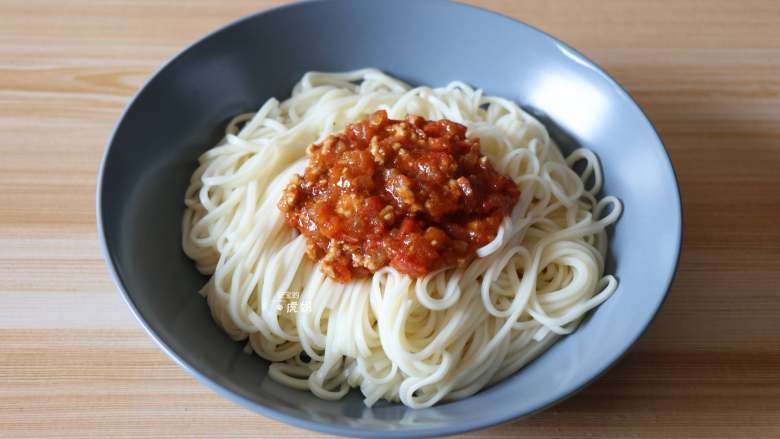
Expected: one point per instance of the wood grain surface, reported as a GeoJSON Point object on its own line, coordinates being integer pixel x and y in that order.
{"type": "Point", "coordinates": [74, 363]}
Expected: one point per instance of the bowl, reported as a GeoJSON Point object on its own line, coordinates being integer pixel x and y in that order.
{"type": "Point", "coordinates": [183, 110]}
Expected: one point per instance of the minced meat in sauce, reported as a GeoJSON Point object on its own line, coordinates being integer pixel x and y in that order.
{"type": "Point", "coordinates": [415, 194]}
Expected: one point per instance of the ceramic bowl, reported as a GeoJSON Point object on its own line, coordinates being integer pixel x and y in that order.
{"type": "Point", "coordinates": [183, 109]}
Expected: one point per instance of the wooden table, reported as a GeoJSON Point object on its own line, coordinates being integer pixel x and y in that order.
{"type": "Point", "coordinates": [74, 363]}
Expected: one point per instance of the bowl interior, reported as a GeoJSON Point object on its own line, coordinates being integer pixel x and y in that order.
{"type": "Point", "coordinates": [182, 112]}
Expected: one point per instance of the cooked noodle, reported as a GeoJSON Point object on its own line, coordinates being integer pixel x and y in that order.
{"type": "Point", "coordinates": [440, 337]}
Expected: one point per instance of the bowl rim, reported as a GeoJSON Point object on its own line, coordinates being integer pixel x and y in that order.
{"type": "Point", "coordinates": [269, 411]}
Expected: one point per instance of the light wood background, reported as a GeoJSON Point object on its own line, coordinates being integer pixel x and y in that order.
{"type": "Point", "coordinates": [74, 363]}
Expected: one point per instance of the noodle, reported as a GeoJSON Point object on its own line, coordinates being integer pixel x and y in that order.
{"type": "Point", "coordinates": [419, 341]}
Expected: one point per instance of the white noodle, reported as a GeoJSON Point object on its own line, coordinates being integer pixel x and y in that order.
{"type": "Point", "coordinates": [443, 336]}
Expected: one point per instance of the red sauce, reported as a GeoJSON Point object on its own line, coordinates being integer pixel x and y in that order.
{"type": "Point", "coordinates": [415, 194]}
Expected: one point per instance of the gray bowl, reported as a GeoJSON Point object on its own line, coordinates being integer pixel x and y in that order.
{"type": "Point", "coordinates": [183, 109]}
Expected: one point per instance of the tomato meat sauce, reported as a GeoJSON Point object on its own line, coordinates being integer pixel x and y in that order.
{"type": "Point", "coordinates": [414, 194]}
